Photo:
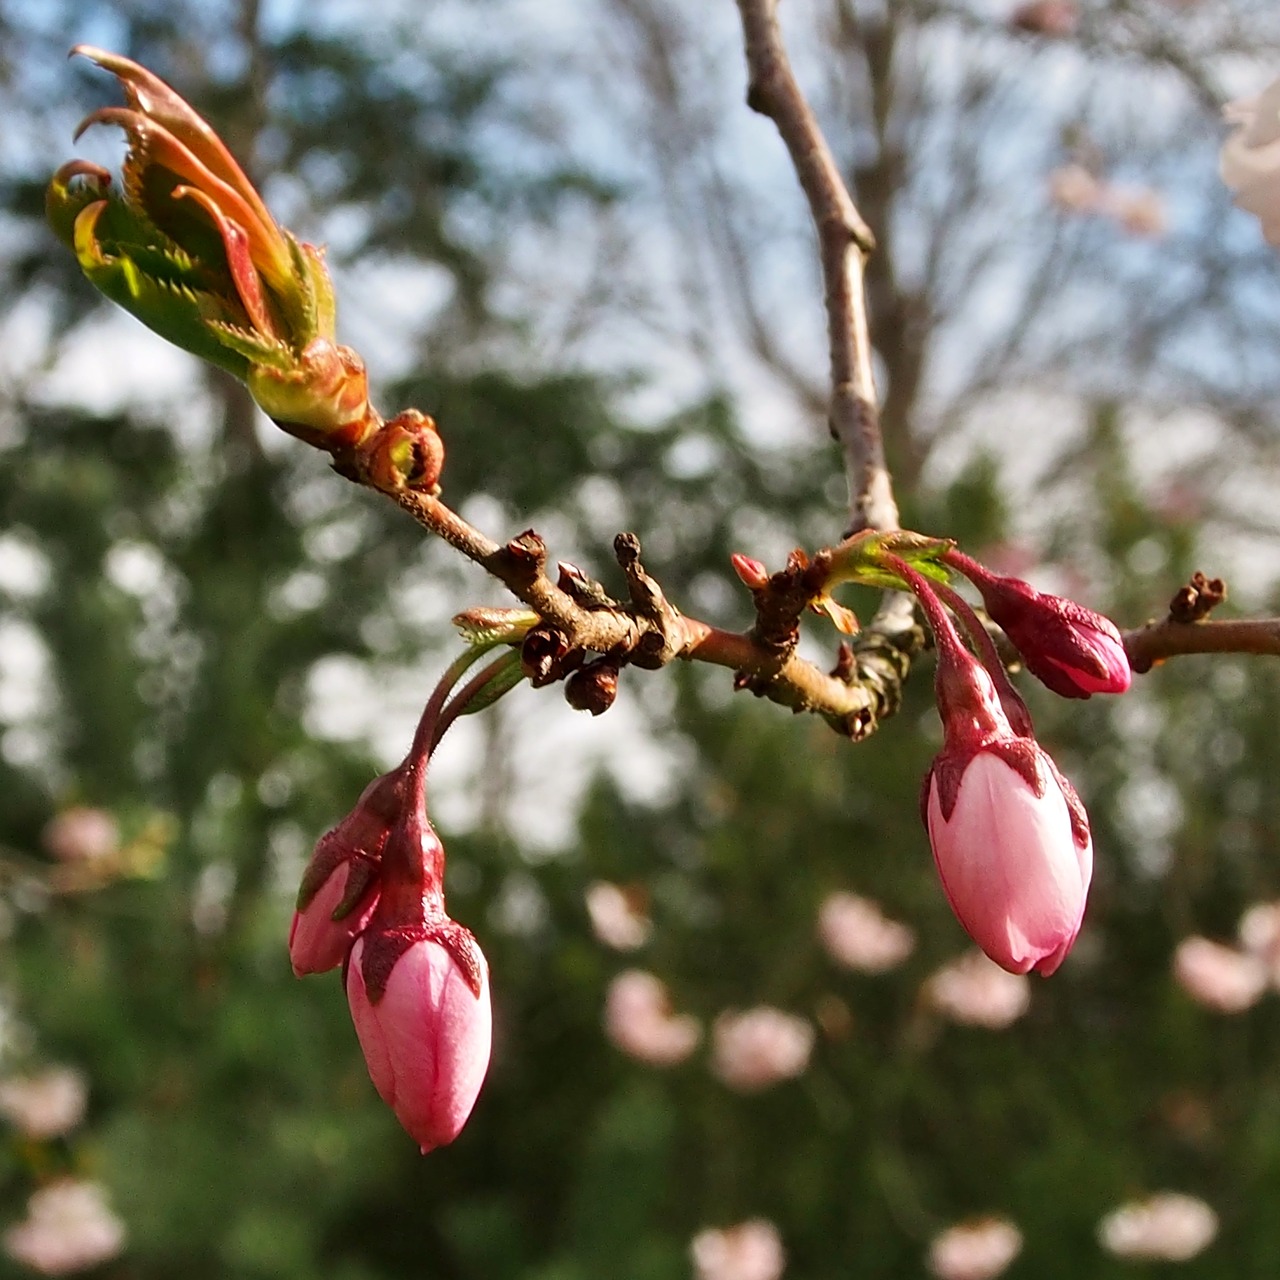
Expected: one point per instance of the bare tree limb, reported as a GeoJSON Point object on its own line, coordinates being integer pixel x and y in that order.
{"type": "Point", "coordinates": [1151, 645]}
{"type": "Point", "coordinates": [845, 242]}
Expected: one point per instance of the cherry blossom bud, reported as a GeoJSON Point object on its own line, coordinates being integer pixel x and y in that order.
{"type": "Point", "coordinates": [421, 1011]}
{"type": "Point", "coordinates": [1167, 1227]}
{"type": "Point", "coordinates": [750, 1251]}
{"type": "Point", "coordinates": [1219, 977]}
{"type": "Point", "coordinates": [339, 889]}
{"type": "Point", "coordinates": [1073, 650]}
{"type": "Point", "coordinates": [759, 1047]}
{"type": "Point", "coordinates": [977, 1250]}
{"type": "Point", "coordinates": [974, 991]}
{"type": "Point", "coordinates": [1014, 856]}
{"type": "Point", "coordinates": [69, 1227]}
{"type": "Point", "coordinates": [81, 834]}
{"type": "Point", "coordinates": [1250, 162]}
{"type": "Point", "coordinates": [752, 573]}
{"type": "Point", "coordinates": [1058, 18]}
{"type": "Point", "coordinates": [856, 934]}
{"type": "Point", "coordinates": [617, 916]}
{"type": "Point", "coordinates": [47, 1105]}
{"type": "Point", "coordinates": [639, 1020]}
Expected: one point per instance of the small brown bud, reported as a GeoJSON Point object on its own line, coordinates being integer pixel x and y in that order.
{"type": "Point", "coordinates": [594, 687]}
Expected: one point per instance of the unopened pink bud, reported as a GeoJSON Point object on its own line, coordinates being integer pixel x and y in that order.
{"type": "Point", "coordinates": [421, 1011]}
{"type": "Point", "coordinates": [1012, 847]}
{"type": "Point", "coordinates": [1073, 650]}
{"type": "Point", "coordinates": [752, 572]}
{"type": "Point", "coordinates": [340, 886]}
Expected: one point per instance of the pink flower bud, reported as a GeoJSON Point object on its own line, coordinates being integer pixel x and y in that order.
{"type": "Point", "coordinates": [340, 886]}
{"type": "Point", "coordinates": [69, 1227]}
{"type": "Point", "coordinates": [977, 1250]}
{"type": "Point", "coordinates": [81, 834]}
{"type": "Point", "coordinates": [638, 1018]}
{"type": "Point", "coordinates": [750, 1251]}
{"type": "Point", "coordinates": [973, 991]}
{"type": "Point", "coordinates": [752, 573]}
{"type": "Point", "coordinates": [1012, 847]}
{"type": "Point", "coordinates": [760, 1047]}
{"type": "Point", "coordinates": [1166, 1227]}
{"type": "Point", "coordinates": [420, 1003]}
{"type": "Point", "coordinates": [1073, 650]}
{"type": "Point", "coordinates": [47, 1105]}
{"type": "Point", "coordinates": [1221, 978]}
{"type": "Point", "coordinates": [855, 933]}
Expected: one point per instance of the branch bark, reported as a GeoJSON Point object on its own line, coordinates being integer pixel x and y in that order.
{"type": "Point", "coordinates": [845, 242]}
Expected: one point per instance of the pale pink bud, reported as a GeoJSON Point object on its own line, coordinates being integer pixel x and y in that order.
{"type": "Point", "coordinates": [759, 1047]}
{"type": "Point", "coordinates": [856, 934]}
{"type": "Point", "coordinates": [421, 1012]}
{"type": "Point", "coordinates": [639, 1020]}
{"type": "Point", "coordinates": [1168, 1227]}
{"type": "Point", "coordinates": [81, 834]}
{"type": "Point", "coordinates": [977, 1250]}
{"type": "Point", "coordinates": [1073, 650]}
{"type": "Point", "coordinates": [974, 991]}
{"type": "Point", "coordinates": [69, 1227]}
{"type": "Point", "coordinates": [751, 1250]}
{"type": "Point", "coordinates": [45, 1105]}
{"type": "Point", "coordinates": [1012, 848]}
{"type": "Point", "coordinates": [1046, 17]}
{"type": "Point", "coordinates": [617, 917]}
{"type": "Point", "coordinates": [1139, 210]}
{"type": "Point", "coordinates": [752, 573]}
{"type": "Point", "coordinates": [1259, 934]}
{"type": "Point", "coordinates": [1219, 977]}
{"type": "Point", "coordinates": [1250, 162]}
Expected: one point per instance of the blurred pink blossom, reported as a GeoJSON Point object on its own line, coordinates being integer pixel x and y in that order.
{"type": "Point", "coordinates": [1250, 160]}
{"type": "Point", "coordinates": [977, 1250]}
{"type": "Point", "coordinates": [759, 1047]}
{"type": "Point", "coordinates": [1168, 1227]}
{"type": "Point", "coordinates": [978, 992]}
{"type": "Point", "coordinates": [1219, 977]}
{"type": "Point", "coordinates": [45, 1105]}
{"type": "Point", "coordinates": [857, 934]}
{"type": "Point", "coordinates": [69, 1227]}
{"type": "Point", "coordinates": [1139, 210]}
{"type": "Point", "coordinates": [750, 1251]}
{"type": "Point", "coordinates": [638, 1019]}
{"type": "Point", "coordinates": [1259, 934]}
{"type": "Point", "coordinates": [1073, 189]}
{"type": "Point", "coordinates": [617, 918]}
{"type": "Point", "coordinates": [81, 834]}
{"type": "Point", "coordinates": [1046, 17]}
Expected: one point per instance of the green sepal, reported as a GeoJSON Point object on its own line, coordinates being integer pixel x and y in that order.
{"type": "Point", "coordinates": [860, 559]}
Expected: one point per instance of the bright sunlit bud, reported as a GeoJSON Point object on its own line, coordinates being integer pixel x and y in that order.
{"type": "Point", "coordinates": [1218, 977]}
{"type": "Point", "coordinates": [421, 1011]}
{"type": "Point", "coordinates": [188, 247]}
{"type": "Point", "coordinates": [750, 1251]}
{"type": "Point", "coordinates": [751, 572]}
{"type": "Point", "coordinates": [1166, 1227]}
{"type": "Point", "coordinates": [339, 889]}
{"type": "Point", "coordinates": [1250, 162]}
{"type": "Point", "coordinates": [1073, 650]}
{"type": "Point", "coordinates": [759, 1047]}
{"type": "Point", "coordinates": [977, 1250]}
{"type": "Point", "coordinates": [1009, 835]}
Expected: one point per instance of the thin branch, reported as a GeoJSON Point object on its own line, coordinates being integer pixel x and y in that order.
{"type": "Point", "coordinates": [1150, 645]}
{"type": "Point", "coordinates": [845, 242]}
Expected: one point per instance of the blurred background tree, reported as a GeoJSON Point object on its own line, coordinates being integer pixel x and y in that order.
{"type": "Point", "coordinates": [559, 230]}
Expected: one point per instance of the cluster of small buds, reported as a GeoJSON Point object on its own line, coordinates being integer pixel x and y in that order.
{"type": "Point", "coordinates": [1009, 835]}
{"type": "Point", "coordinates": [372, 900]}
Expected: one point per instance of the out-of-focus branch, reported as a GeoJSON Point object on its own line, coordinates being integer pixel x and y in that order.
{"type": "Point", "coordinates": [845, 242]}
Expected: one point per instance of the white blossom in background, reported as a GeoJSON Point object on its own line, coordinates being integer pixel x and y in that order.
{"type": "Point", "coordinates": [69, 1227]}
{"type": "Point", "coordinates": [1219, 977]}
{"type": "Point", "coordinates": [616, 917]}
{"type": "Point", "coordinates": [759, 1047]}
{"type": "Point", "coordinates": [81, 834]}
{"type": "Point", "coordinates": [750, 1251]}
{"type": "Point", "coordinates": [1250, 161]}
{"type": "Point", "coordinates": [45, 1105]}
{"type": "Point", "coordinates": [977, 992]}
{"type": "Point", "coordinates": [977, 1250]}
{"type": "Point", "coordinates": [1167, 1227]}
{"type": "Point", "coordinates": [1259, 934]}
{"type": "Point", "coordinates": [639, 1021]}
{"type": "Point", "coordinates": [856, 933]}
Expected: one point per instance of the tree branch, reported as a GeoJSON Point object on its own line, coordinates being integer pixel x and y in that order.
{"type": "Point", "coordinates": [845, 242]}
